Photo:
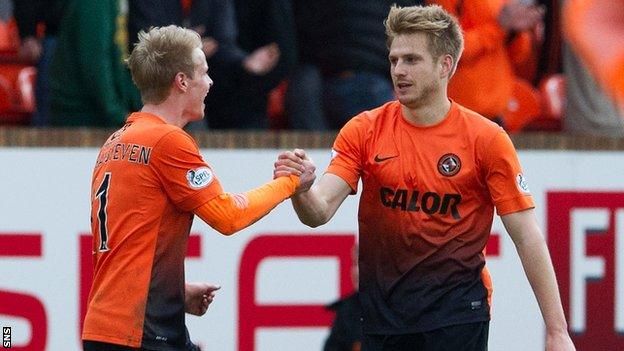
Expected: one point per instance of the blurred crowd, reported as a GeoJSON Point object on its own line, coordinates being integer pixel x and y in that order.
{"type": "Point", "coordinates": [312, 65]}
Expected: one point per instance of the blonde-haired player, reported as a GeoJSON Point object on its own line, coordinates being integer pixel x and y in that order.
{"type": "Point", "coordinates": [149, 180]}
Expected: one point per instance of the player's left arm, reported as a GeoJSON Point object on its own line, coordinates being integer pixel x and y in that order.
{"type": "Point", "coordinates": [228, 213]}
{"type": "Point", "coordinates": [533, 252]}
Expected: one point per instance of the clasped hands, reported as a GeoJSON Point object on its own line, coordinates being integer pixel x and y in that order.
{"type": "Point", "coordinates": [297, 163]}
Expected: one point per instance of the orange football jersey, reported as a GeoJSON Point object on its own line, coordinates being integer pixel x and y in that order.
{"type": "Point", "coordinates": [148, 178]}
{"type": "Point", "coordinates": [425, 213]}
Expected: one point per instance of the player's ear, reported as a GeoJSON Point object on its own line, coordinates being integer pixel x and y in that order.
{"type": "Point", "coordinates": [181, 81]}
{"type": "Point", "coordinates": [446, 66]}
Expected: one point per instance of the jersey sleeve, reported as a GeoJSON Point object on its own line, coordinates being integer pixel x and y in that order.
{"type": "Point", "coordinates": [347, 153]}
{"type": "Point", "coordinates": [503, 173]}
{"type": "Point", "coordinates": [229, 213]}
{"type": "Point", "coordinates": [187, 179]}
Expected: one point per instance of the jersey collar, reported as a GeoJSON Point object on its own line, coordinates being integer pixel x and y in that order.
{"type": "Point", "coordinates": [145, 116]}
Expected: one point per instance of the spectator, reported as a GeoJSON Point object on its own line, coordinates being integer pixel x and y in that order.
{"type": "Point", "coordinates": [265, 36]}
{"type": "Point", "coordinates": [148, 182]}
{"type": "Point", "coordinates": [6, 11]}
{"type": "Point", "coordinates": [489, 30]}
{"type": "Point", "coordinates": [343, 40]}
{"type": "Point", "coordinates": [303, 101]}
{"type": "Point", "coordinates": [216, 22]}
{"type": "Point", "coordinates": [346, 331]}
{"type": "Point", "coordinates": [28, 15]}
{"type": "Point", "coordinates": [233, 68]}
{"type": "Point", "coordinates": [144, 14]}
{"type": "Point", "coordinates": [588, 109]}
{"type": "Point", "coordinates": [89, 84]}
{"type": "Point", "coordinates": [550, 57]}
{"type": "Point", "coordinates": [595, 29]}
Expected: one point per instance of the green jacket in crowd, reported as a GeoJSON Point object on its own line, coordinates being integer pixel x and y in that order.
{"type": "Point", "coordinates": [90, 85]}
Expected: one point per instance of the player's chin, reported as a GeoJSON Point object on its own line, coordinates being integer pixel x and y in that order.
{"type": "Point", "coordinates": [198, 116]}
{"type": "Point", "coordinates": [200, 113]}
{"type": "Point", "coordinates": [406, 100]}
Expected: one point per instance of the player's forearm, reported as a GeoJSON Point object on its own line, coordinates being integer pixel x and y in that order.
{"type": "Point", "coordinates": [538, 267]}
{"type": "Point", "coordinates": [311, 208]}
{"type": "Point", "coordinates": [229, 213]}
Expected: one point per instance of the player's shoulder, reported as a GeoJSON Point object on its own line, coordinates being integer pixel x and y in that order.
{"type": "Point", "coordinates": [477, 124]}
{"type": "Point", "coordinates": [151, 130]}
{"type": "Point", "coordinates": [372, 118]}
{"type": "Point", "coordinates": [486, 136]}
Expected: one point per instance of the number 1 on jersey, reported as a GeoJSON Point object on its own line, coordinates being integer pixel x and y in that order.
{"type": "Point", "coordinates": [101, 194]}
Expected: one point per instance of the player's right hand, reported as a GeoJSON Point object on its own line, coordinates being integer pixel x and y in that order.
{"type": "Point", "coordinates": [297, 163]}
{"type": "Point", "coordinates": [288, 163]}
{"type": "Point", "coordinates": [308, 176]}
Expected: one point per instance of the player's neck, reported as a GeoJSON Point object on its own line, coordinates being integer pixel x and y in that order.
{"type": "Point", "coordinates": [429, 113]}
{"type": "Point", "coordinates": [168, 111]}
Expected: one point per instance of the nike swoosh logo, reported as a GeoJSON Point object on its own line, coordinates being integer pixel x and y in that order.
{"type": "Point", "coordinates": [381, 159]}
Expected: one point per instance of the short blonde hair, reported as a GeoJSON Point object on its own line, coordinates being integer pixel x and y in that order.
{"type": "Point", "coordinates": [442, 29]}
{"type": "Point", "coordinates": [159, 55]}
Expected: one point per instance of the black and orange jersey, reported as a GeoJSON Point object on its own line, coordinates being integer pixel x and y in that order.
{"type": "Point", "coordinates": [148, 178]}
{"type": "Point", "coordinates": [426, 212]}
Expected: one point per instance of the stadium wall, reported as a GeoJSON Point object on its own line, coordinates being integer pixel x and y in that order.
{"type": "Point", "coordinates": [277, 275]}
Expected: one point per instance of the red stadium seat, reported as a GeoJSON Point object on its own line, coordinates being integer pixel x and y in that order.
{"type": "Point", "coordinates": [17, 100]}
{"type": "Point", "coordinates": [6, 95]}
{"type": "Point", "coordinates": [9, 38]}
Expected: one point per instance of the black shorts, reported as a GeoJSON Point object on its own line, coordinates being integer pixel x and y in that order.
{"type": "Point", "coordinates": [461, 337]}
{"type": "Point", "coordinates": [102, 346]}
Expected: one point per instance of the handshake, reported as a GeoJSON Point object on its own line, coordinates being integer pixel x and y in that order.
{"type": "Point", "coordinates": [297, 163]}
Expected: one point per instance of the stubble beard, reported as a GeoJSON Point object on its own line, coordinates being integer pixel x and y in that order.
{"type": "Point", "coordinates": [421, 98]}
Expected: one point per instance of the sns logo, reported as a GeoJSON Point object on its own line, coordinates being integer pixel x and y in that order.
{"type": "Point", "coordinates": [586, 241]}
{"type": "Point", "coordinates": [199, 178]}
{"type": "Point", "coordinates": [6, 337]}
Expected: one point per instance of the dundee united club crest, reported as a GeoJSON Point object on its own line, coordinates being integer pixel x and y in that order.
{"type": "Point", "coordinates": [449, 165]}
